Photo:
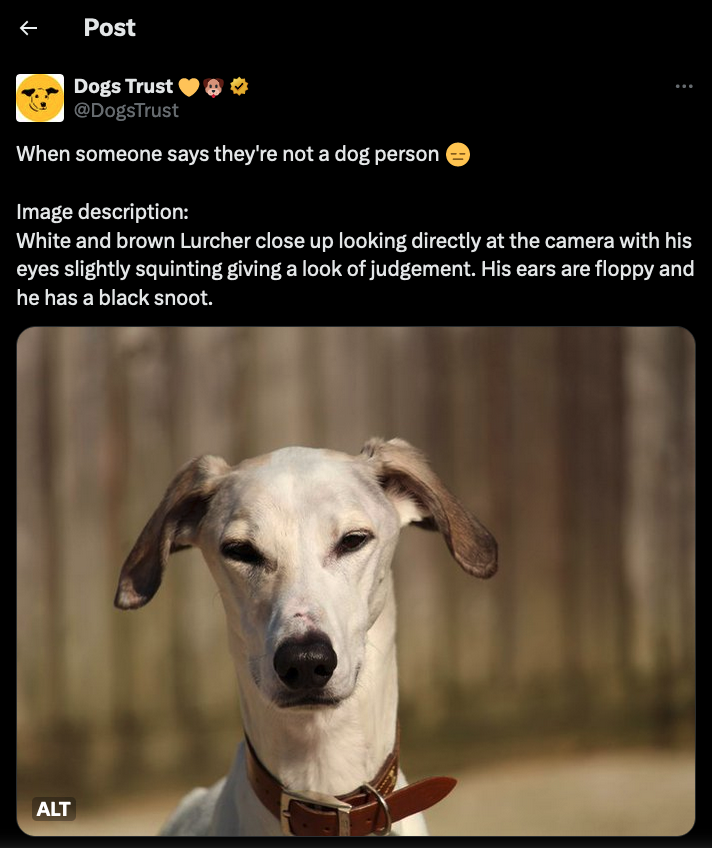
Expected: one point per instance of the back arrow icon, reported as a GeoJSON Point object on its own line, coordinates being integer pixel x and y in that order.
{"type": "Point", "coordinates": [24, 28]}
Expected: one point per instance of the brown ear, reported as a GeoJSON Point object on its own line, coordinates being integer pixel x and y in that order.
{"type": "Point", "coordinates": [421, 496]}
{"type": "Point", "coordinates": [172, 526]}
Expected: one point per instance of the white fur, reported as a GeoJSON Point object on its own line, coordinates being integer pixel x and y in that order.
{"type": "Point", "coordinates": [293, 511]}
{"type": "Point", "coordinates": [294, 507]}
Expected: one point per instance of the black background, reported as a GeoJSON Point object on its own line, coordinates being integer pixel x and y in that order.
{"type": "Point", "coordinates": [574, 124]}
{"type": "Point", "coordinates": [565, 139]}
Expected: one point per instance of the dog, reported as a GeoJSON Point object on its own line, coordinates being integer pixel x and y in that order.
{"type": "Point", "coordinates": [213, 87]}
{"type": "Point", "coordinates": [300, 543]}
{"type": "Point", "coordinates": [39, 97]}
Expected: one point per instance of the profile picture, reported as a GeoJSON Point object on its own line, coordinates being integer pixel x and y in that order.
{"type": "Point", "coordinates": [39, 98]}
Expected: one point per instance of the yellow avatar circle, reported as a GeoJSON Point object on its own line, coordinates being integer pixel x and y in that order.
{"type": "Point", "coordinates": [458, 155]}
{"type": "Point", "coordinates": [40, 97]}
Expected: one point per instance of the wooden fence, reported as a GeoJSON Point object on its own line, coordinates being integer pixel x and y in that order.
{"type": "Point", "coordinates": [575, 446]}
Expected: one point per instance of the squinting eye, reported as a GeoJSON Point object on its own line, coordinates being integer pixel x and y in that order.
{"type": "Point", "coordinates": [353, 542]}
{"type": "Point", "coordinates": [242, 552]}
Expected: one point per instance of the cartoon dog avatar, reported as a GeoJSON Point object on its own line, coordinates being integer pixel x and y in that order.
{"type": "Point", "coordinates": [39, 97]}
{"type": "Point", "coordinates": [213, 87]}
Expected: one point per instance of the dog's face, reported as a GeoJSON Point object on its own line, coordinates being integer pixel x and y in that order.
{"type": "Point", "coordinates": [213, 87]}
{"type": "Point", "coordinates": [300, 544]}
{"type": "Point", "coordinates": [38, 97]}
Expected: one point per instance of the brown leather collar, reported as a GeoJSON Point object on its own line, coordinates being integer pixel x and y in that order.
{"type": "Point", "coordinates": [371, 808]}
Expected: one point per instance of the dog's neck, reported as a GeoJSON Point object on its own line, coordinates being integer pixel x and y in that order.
{"type": "Point", "coordinates": [331, 750]}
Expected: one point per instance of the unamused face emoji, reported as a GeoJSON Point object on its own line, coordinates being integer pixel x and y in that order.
{"type": "Point", "coordinates": [213, 87]}
{"type": "Point", "coordinates": [458, 155]}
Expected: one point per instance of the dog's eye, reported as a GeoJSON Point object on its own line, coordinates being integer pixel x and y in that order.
{"type": "Point", "coordinates": [353, 542]}
{"type": "Point", "coordinates": [243, 552]}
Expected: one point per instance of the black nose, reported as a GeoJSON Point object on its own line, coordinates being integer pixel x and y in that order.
{"type": "Point", "coordinates": [306, 663]}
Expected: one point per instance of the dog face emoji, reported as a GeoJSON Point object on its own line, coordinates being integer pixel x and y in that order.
{"type": "Point", "coordinates": [39, 97]}
{"type": "Point", "coordinates": [213, 87]}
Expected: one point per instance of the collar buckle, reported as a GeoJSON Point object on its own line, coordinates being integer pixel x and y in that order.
{"type": "Point", "coordinates": [386, 829]}
{"type": "Point", "coordinates": [314, 799]}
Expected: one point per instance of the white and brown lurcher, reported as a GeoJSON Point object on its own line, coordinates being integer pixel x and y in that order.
{"type": "Point", "coordinates": [300, 543]}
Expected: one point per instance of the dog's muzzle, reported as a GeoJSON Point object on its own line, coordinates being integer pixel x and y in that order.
{"type": "Point", "coordinates": [305, 664]}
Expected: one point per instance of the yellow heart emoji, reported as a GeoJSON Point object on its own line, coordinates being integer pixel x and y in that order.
{"type": "Point", "coordinates": [189, 86]}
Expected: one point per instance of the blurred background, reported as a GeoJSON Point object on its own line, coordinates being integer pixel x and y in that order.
{"type": "Point", "coordinates": [560, 693]}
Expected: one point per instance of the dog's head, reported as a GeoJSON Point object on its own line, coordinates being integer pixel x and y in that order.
{"type": "Point", "coordinates": [38, 97]}
{"type": "Point", "coordinates": [300, 543]}
{"type": "Point", "coordinates": [213, 87]}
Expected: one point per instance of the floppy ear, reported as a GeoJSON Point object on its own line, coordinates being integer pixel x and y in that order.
{"type": "Point", "coordinates": [52, 91]}
{"type": "Point", "coordinates": [172, 527]}
{"type": "Point", "coordinates": [420, 497]}
{"type": "Point", "coordinates": [28, 91]}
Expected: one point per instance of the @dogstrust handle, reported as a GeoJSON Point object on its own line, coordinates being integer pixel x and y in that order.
{"type": "Point", "coordinates": [372, 808]}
